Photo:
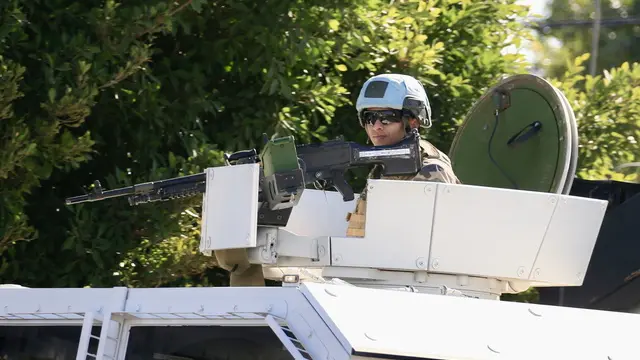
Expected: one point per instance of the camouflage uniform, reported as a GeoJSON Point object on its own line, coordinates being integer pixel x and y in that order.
{"type": "Point", "coordinates": [436, 167]}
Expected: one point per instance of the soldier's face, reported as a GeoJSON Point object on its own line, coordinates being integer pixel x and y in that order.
{"type": "Point", "coordinates": [384, 131]}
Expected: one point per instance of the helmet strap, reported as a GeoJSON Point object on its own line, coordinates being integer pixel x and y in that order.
{"type": "Point", "coordinates": [407, 126]}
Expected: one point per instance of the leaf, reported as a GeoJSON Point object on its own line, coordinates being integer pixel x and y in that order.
{"type": "Point", "coordinates": [52, 95]}
{"type": "Point", "coordinates": [407, 20]}
{"type": "Point", "coordinates": [68, 243]}
{"type": "Point", "coordinates": [196, 5]}
{"type": "Point", "coordinates": [341, 67]}
{"type": "Point", "coordinates": [334, 24]}
{"type": "Point", "coordinates": [422, 5]}
{"type": "Point", "coordinates": [172, 160]}
{"type": "Point", "coordinates": [274, 86]}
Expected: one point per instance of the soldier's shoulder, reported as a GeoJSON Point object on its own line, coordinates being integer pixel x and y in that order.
{"type": "Point", "coordinates": [431, 154]}
{"type": "Point", "coordinates": [436, 165]}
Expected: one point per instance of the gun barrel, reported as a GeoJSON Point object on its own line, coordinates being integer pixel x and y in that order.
{"type": "Point", "coordinates": [99, 195]}
{"type": "Point", "coordinates": [138, 189]}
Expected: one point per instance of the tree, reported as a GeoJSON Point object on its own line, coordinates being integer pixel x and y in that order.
{"type": "Point", "coordinates": [617, 43]}
{"type": "Point", "coordinates": [607, 109]}
{"type": "Point", "coordinates": [139, 91]}
{"type": "Point", "coordinates": [604, 103]}
{"type": "Point", "coordinates": [57, 59]}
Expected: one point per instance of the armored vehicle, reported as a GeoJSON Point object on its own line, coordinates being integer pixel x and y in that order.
{"type": "Point", "coordinates": [424, 282]}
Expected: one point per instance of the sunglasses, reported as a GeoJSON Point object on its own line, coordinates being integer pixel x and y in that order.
{"type": "Point", "coordinates": [386, 117]}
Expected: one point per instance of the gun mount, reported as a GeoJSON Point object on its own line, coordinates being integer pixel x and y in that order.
{"type": "Point", "coordinates": [431, 237]}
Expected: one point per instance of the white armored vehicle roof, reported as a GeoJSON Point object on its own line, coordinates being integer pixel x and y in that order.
{"type": "Point", "coordinates": [324, 321]}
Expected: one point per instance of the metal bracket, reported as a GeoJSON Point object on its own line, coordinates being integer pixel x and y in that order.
{"type": "Point", "coordinates": [283, 248]}
{"type": "Point", "coordinates": [268, 252]}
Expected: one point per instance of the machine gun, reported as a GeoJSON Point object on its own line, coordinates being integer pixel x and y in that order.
{"type": "Point", "coordinates": [287, 169]}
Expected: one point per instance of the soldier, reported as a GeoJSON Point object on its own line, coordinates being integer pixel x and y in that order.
{"type": "Point", "coordinates": [389, 106]}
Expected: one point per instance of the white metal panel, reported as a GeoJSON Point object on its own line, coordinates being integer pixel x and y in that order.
{"type": "Point", "coordinates": [373, 321]}
{"type": "Point", "coordinates": [320, 213]}
{"type": "Point", "coordinates": [208, 303]}
{"type": "Point", "coordinates": [205, 240]}
{"type": "Point", "coordinates": [230, 215]}
{"type": "Point", "coordinates": [397, 230]}
{"type": "Point", "coordinates": [488, 231]}
{"type": "Point", "coordinates": [568, 244]}
{"type": "Point", "coordinates": [58, 304]}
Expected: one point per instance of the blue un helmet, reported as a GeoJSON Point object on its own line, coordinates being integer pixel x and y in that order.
{"type": "Point", "coordinates": [400, 92]}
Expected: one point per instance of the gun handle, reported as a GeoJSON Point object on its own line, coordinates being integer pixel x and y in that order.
{"type": "Point", "coordinates": [246, 155]}
{"type": "Point", "coordinates": [340, 183]}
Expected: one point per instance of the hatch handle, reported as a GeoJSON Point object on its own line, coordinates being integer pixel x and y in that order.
{"type": "Point", "coordinates": [524, 134]}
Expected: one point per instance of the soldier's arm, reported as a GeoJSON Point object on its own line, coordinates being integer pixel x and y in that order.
{"type": "Point", "coordinates": [437, 171]}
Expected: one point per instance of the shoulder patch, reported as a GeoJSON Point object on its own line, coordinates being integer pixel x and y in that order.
{"type": "Point", "coordinates": [436, 170]}
{"type": "Point", "coordinates": [431, 168]}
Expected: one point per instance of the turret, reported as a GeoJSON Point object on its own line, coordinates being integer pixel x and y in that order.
{"type": "Point", "coordinates": [419, 236]}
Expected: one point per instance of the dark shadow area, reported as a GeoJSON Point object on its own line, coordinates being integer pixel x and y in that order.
{"type": "Point", "coordinates": [205, 343]}
{"type": "Point", "coordinates": [612, 281]}
{"type": "Point", "coordinates": [41, 342]}
{"type": "Point", "coordinates": [147, 343]}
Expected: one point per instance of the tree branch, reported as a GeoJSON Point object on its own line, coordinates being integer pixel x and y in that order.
{"type": "Point", "coordinates": [162, 18]}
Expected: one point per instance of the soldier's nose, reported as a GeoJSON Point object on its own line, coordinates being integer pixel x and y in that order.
{"type": "Point", "coordinates": [378, 125]}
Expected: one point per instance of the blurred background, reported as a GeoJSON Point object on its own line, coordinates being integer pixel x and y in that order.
{"type": "Point", "coordinates": [565, 29]}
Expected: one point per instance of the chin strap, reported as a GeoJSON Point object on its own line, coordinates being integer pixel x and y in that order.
{"type": "Point", "coordinates": [410, 132]}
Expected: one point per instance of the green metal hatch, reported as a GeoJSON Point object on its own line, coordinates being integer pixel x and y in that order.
{"type": "Point", "coordinates": [530, 144]}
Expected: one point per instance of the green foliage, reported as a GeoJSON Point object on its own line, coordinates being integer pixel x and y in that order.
{"type": "Point", "coordinates": [136, 91]}
{"type": "Point", "coordinates": [605, 105]}
{"type": "Point", "coordinates": [59, 62]}
{"type": "Point", "coordinates": [530, 295]}
{"type": "Point", "coordinates": [453, 47]}
{"type": "Point", "coordinates": [607, 110]}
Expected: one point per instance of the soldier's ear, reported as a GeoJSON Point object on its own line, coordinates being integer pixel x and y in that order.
{"type": "Point", "coordinates": [413, 123]}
